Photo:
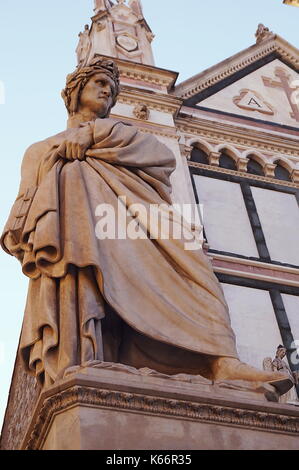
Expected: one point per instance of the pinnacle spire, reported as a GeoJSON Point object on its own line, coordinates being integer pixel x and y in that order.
{"type": "Point", "coordinates": [102, 5]}
{"type": "Point", "coordinates": [136, 7]}
{"type": "Point", "coordinates": [118, 30]}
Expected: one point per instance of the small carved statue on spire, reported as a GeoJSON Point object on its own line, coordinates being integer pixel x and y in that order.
{"type": "Point", "coordinates": [278, 364]}
{"type": "Point", "coordinates": [263, 33]}
{"type": "Point", "coordinates": [83, 46]}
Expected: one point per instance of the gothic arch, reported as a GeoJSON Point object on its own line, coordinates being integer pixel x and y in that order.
{"type": "Point", "coordinates": [256, 156]}
{"type": "Point", "coordinates": [230, 151]}
{"type": "Point", "coordinates": [283, 170]}
{"type": "Point", "coordinates": [285, 163]}
{"type": "Point", "coordinates": [201, 144]}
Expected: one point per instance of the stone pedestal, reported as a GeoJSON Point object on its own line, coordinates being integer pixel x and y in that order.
{"type": "Point", "coordinates": [114, 407]}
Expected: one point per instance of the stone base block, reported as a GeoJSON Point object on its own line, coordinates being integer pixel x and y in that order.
{"type": "Point", "coordinates": [114, 407]}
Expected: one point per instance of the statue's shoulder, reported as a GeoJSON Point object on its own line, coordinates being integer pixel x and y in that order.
{"type": "Point", "coordinates": [48, 142]}
{"type": "Point", "coordinates": [36, 153]}
{"type": "Point", "coordinates": [111, 122]}
{"type": "Point", "coordinates": [42, 146]}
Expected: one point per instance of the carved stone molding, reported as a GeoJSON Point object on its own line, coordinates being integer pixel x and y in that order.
{"type": "Point", "coordinates": [186, 151]}
{"type": "Point", "coordinates": [295, 176]}
{"type": "Point", "coordinates": [247, 138]}
{"type": "Point", "coordinates": [149, 128]}
{"type": "Point", "coordinates": [269, 170]}
{"type": "Point", "coordinates": [146, 73]}
{"type": "Point", "coordinates": [214, 158]}
{"type": "Point", "coordinates": [242, 164]}
{"type": "Point", "coordinates": [162, 103]}
{"type": "Point", "coordinates": [210, 413]}
{"type": "Point", "coordinates": [205, 82]}
{"type": "Point", "coordinates": [141, 112]}
{"type": "Point", "coordinates": [240, 61]}
{"type": "Point", "coordinates": [244, 175]}
{"type": "Point", "coordinates": [241, 156]}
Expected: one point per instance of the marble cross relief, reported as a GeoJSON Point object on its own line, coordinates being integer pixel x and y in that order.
{"type": "Point", "coordinates": [285, 84]}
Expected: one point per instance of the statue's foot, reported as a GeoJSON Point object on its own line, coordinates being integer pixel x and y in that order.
{"type": "Point", "coordinates": [226, 368]}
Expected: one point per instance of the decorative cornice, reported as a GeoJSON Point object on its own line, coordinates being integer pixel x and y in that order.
{"type": "Point", "coordinates": [149, 128]}
{"type": "Point", "coordinates": [253, 263]}
{"type": "Point", "coordinates": [241, 136]}
{"type": "Point", "coordinates": [203, 412]}
{"type": "Point", "coordinates": [213, 78]}
{"type": "Point", "coordinates": [238, 62]}
{"type": "Point", "coordinates": [243, 175]}
{"type": "Point", "coordinates": [158, 102]}
{"type": "Point", "coordinates": [263, 275]}
{"type": "Point", "coordinates": [146, 73]}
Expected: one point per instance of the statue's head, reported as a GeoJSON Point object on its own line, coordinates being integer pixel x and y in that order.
{"type": "Point", "coordinates": [281, 351]}
{"type": "Point", "coordinates": [92, 88]}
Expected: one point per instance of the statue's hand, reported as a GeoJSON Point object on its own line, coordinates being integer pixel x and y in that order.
{"type": "Point", "coordinates": [76, 142]}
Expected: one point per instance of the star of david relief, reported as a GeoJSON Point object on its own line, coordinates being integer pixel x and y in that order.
{"type": "Point", "coordinates": [252, 101]}
{"type": "Point", "coordinates": [288, 86]}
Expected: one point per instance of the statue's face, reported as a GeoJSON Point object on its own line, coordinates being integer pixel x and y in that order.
{"type": "Point", "coordinates": [281, 353]}
{"type": "Point", "coordinates": [97, 95]}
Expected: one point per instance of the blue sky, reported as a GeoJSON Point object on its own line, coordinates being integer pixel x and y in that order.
{"type": "Point", "coordinates": [37, 44]}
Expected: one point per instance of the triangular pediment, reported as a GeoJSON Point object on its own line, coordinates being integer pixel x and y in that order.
{"type": "Point", "coordinates": [260, 83]}
{"type": "Point", "coordinates": [270, 93]}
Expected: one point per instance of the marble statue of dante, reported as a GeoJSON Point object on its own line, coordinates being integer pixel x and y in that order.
{"type": "Point", "coordinates": [145, 302]}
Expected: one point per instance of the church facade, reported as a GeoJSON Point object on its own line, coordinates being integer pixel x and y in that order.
{"type": "Point", "coordinates": [234, 131]}
{"type": "Point", "coordinates": [239, 125]}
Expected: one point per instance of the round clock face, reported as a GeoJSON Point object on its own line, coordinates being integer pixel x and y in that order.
{"type": "Point", "coordinates": [126, 42]}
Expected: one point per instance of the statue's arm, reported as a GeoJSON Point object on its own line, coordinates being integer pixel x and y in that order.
{"type": "Point", "coordinates": [122, 144]}
{"type": "Point", "coordinates": [32, 164]}
{"type": "Point", "coordinates": [75, 142]}
{"type": "Point", "coordinates": [10, 239]}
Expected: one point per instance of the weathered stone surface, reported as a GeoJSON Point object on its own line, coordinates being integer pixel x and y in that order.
{"type": "Point", "coordinates": [23, 396]}
{"type": "Point", "coordinates": [105, 407]}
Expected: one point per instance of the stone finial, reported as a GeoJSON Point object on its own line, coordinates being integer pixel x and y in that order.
{"type": "Point", "coordinates": [263, 33]}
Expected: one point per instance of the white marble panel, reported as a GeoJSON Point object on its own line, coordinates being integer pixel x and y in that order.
{"type": "Point", "coordinates": [254, 323]}
{"type": "Point", "coordinates": [225, 217]}
{"type": "Point", "coordinates": [279, 216]}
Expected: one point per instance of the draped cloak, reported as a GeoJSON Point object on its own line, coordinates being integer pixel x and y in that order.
{"type": "Point", "coordinates": [157, 287]}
